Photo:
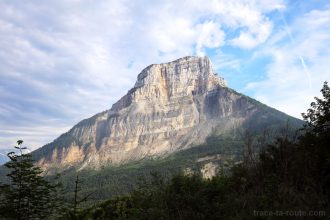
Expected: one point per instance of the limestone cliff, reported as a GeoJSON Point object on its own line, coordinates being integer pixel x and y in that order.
{"type": "Point", "coordinates": [171, 106]}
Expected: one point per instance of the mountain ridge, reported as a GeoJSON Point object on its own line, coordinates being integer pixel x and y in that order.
{"type": "Point", "coordinates": [172, 106]}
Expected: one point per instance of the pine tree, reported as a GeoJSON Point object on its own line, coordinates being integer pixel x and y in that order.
{"type": "Point", "coordinates": [28, 195]}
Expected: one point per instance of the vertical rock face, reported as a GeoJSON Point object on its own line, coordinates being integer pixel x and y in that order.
{"type": "Point", "coordinates": [170, 81]}
{"type": "Point", "coordinates": [171, 106]}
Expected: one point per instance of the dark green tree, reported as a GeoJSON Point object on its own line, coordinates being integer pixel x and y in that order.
{"type": "Point", "coordinates": [318, 116]}
{"type": "Point", "coordinates": [72, 211]}
{"type": "Point", "coordinates": [28, 195]}
{"type": "Point", "coordinates": [316, 141]}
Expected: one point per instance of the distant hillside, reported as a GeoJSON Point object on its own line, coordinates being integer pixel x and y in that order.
{"type": "Point", "coordinates": [3, 155]}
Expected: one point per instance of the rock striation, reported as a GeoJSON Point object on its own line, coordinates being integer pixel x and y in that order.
{"type": "Point", "coordinates": [172, 106]}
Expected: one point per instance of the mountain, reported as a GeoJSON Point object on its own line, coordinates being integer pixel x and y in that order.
{"type": "Point", "coordinates": [3, 155]}
{"type": "Point", "coordinates": [172, 107]}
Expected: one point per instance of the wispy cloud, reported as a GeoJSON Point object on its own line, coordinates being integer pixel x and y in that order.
{"type": "Point", "coordinates": [299, 64]}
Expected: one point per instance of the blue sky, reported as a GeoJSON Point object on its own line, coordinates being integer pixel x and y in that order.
{"type": "Point", "coordinates": [63, 61]}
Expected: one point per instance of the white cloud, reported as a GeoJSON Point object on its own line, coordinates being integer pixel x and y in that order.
{"type": "Point", "coordinates": [209, 35]}
{"type": "Point", "coordinates": [256, 27]}
{"type": "Point", "coordinates": [253, 37]}
{"type": "Point", "coordinates": [36, 136]}
{"type": "Point", "coordinates": [300, 65]}
{"type": "Point", "coordinates": [68, 60]}
{"type": "Point", "coordinates": [223, 61]}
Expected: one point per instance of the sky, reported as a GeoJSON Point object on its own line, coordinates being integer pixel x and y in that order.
{"type": "Point", "coordinates": [63, 61]}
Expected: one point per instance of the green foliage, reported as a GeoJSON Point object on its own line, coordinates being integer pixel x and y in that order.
{"type": "Point", "coordinates": [109, 182]}
{"type": "Point", "coordinates": [289, 174]}
{"type": "Point", "coordinates": [316, 141]}
{"type": "Point", "coordinates": [28, 195]}
{"type": "Point", "coordinates": [318, 116]}
{"type": "Point", "coordinates": [71, 210]}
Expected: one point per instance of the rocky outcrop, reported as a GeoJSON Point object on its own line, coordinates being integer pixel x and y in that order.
{"type": "Point", "coordinates": [209, 170]}
{"type": "Point", "coordinates": [172, 106]}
